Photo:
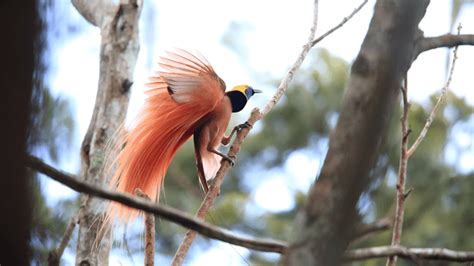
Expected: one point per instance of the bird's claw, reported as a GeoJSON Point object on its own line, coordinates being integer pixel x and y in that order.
{"type": "Point", "coordinates": [243, 125]}
{"type": "Point", "coordinates": [230, 160]}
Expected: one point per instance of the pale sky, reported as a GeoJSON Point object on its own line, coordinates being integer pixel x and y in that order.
{"type": "Point", "coordinates": [273, 35]}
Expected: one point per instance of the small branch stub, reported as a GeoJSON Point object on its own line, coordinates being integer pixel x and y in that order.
{"type": "Point", "coordinates": [149, 232]}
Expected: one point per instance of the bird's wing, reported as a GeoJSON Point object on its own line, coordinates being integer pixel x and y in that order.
{"type": "Point", "coordinates": [189, 78]}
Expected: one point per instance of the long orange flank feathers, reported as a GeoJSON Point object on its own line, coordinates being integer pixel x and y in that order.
{"type": "Point", "coordinates": [181, 97]}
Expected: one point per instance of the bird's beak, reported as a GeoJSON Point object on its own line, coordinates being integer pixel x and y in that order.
{"type": "Point", "coordinates": [256, 91]}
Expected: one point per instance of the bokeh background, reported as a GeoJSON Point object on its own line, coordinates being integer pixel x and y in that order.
{"type": "Point", "coordinates": [255, 42]}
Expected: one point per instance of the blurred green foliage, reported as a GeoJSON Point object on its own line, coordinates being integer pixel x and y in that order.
{"type": "Point", "coordinates": [51, 133]}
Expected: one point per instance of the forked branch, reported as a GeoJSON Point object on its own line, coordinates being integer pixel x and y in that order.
{"type": "Point", "coordinates": [441, 96]}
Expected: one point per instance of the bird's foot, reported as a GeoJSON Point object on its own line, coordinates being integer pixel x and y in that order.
{"type": "Point", "coordinates": [229, 159]}
{"type": "Point", "coordinates": [243, 125]}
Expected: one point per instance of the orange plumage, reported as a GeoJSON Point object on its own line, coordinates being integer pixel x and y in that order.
{"type": "Point", "coordinates": [186, 98]}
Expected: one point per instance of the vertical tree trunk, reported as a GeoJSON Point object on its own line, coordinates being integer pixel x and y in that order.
{"type": "Point", "coordinates": [118, 55]}
{"type": "Point", "coordinates": [325, 225]}
{"type": "Point", "coordinates": [20, 50]}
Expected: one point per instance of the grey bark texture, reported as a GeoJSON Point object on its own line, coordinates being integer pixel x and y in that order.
{"type": "Point", "coordinates": [324, 225]}
{"type": "Point", "coordinates": [118, 55]}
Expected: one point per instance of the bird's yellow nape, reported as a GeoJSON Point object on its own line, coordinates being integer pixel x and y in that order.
{"type": "Point", "coordinates": [240, 88]}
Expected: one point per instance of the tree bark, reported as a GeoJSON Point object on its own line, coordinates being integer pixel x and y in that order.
{"type": "Point", "coordinates": [20, 50]}
{"type": "Point", "coordinates": [325, 224]}
{"type": "Point", "coordinates": [118, 55]}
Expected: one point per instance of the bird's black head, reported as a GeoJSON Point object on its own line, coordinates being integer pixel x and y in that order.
{"type": "Point", "coordinates": [239, 96]}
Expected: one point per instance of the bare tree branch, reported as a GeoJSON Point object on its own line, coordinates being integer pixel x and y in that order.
{"type": "Point", "coordinates": [346, 19]}
{"type": "Point", "coordinates": [437, 105]}
{"type": "Point", "coordinates": [402, 175]}
{"type": "Point", "coordinates": [167, 213]}
{"type": "Point", "coordinates": [149, 232]}
{"type": "Point", "coordinates": [446, 41]}
{"type": "Point", "coordinates": [366, 230]}
{"type": "Point", "coordinates": [409, 253]}
{"type": "Point", "coordinates": [215, 232]}
{"type": "Point", "coordinates": [214, 190]}
{"type": "Point", "coordinates": [296, 65]}
{"type": "Point", "coordinates": [55, 255]}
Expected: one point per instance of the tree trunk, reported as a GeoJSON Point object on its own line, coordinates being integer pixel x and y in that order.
{"type": "Point", "coordinates": [118, 55]}
{"type": "Point", "coordinates": [20, 50]}
{"type": "Point", "coordinates": [325, 224]}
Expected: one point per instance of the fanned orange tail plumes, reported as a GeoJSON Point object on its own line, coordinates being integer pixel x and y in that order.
{"type": "Point", "coordinates": [182, 94]}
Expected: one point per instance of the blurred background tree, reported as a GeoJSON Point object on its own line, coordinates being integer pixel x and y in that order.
{"type": "Point", "coordinates": [51, 133]}
{"type": "Point", "coordinates": [50, 136]}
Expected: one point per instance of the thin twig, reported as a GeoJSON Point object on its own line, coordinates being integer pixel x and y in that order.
{"type": "Point", "coordinates": [346, 19]}
{"type": "Point", "coordinates": [149, 232]}
{"type": "Point", "coordinates": [296, 65]}
{"type": "Point", "coordinates": [366, 230]}
{"type": "Point", "coordinates": [402, 173]}
{"type": "Point", "coordinates": [167, 213]}
{"type": "Point", "coordinates": [55, 255]}
{"type": "Point", "coordinates": [409, 253]}
{"type": "Point", "coordinates": [430, 119]}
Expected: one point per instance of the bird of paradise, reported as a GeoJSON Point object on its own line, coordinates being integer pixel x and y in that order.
{"type": "Point", "coordinates": [185, 98]}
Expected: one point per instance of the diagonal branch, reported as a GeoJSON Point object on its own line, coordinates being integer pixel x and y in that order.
{"type": "Point", "coordinates": [296, 65]}
{"type": "Point", "coordinates": [206, 229]}
{"type": "Point", "coordinates": [409, 253]}
{"type": "Point", "coordinates": [346, 19]}
{"type": "Point", "coordinates": [214, 190]}
{"type": "Point", "coordinates": [254, 117]}
{"type": "Point", "coordinates": [430, 119]}
{"type": "Point", "coordinates": [167, 213]}
{"type": "Point", "coordinates": [366, 230]}
{"type": "Point", "coordinates": [55, 255]}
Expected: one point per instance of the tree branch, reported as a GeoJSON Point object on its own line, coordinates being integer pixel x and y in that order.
{"type": "Point", "coordinates": [430, 119]}
{"type": "Point", "coordinates": [55, 255]}
{"type": "Point", "coordinates": [366, 230]}
{"type": "Point", "coordinates": [346, 19]}
{"type": "Point", "coordinates": [402, 175]}
{"type": "Point", "coordinates": [93, 11]}
{"type": "Point", "coordinates": [149, 232]}
{"type": "Point", "coordinates": [447, 40]}
{"type": "Point", "coordinates": [214, 190]}
{"type": "Point", "coordinates": [167, 213]}
{"type": "Point", "coordinates": [409, 253]}
{"type": "Point", "coordinates": [214, 232]}
{"type": "Point", "coordinates": [296, 65]}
